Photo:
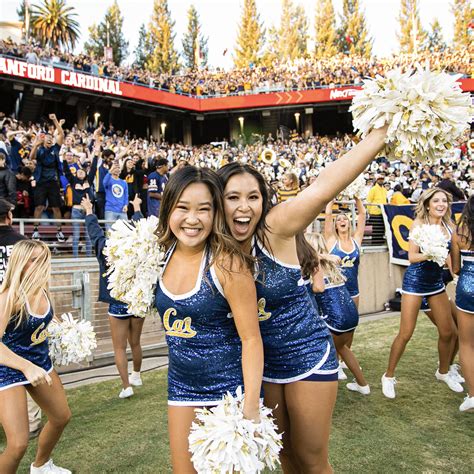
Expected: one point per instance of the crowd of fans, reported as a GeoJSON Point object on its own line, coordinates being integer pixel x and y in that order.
{"type": "Point", "coordinates": [304, 73]}
{"type": "Point", "coordinates": [44, 168]}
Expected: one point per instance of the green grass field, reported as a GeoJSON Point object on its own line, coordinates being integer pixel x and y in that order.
{"type": "Point", "coordinates": [420, 431]}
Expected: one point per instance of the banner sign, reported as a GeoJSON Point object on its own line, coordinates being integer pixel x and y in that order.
{"type": "Point", "coordinates": [77, 80]}
{"type": "Point", "coordinates": [398, 221]}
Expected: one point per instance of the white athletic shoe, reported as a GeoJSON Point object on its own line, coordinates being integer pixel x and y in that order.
{"type": "Point", "coordinates": [135, 379]}
{"type": "Point", "coordinates": [49, 468]}
{"type": "Point", "coordinates": [454, 373]}
{"type": "Point", "coordinates": [355, 387]}
{"type": "Point", "coordinates": [467, 405]}
{"type": "Point", "coordinates": [449, 381]}
{"type": "Point", "coordinates": [341, 375]}
{"type": "Point", "coordinates": [126, 392]}
{"type": "Point", "coordinates": [388, 386]}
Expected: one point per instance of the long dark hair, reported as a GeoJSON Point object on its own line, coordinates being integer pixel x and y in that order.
{"type": "Point", "coordinates": [465, 227]}
{"type": "Point", "coordinates": [234, 169]}
{"type": "Point", "coordinates": [219, 241]}
{"type": "Point", "coordinates": [307, 255]}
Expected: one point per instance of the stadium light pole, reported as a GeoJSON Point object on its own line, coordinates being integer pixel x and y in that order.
{"type": "Point", "coordinates": [297, 119]}
{"type": "Point", "coordinates": [163, 130]}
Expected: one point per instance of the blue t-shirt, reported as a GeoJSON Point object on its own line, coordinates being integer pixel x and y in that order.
{"type": "Point", "coordinates": [48, 159]}
{"type": "Point", "coordinates": [156, 184]}
{"type": "Point", "coordinates": [116, 194]}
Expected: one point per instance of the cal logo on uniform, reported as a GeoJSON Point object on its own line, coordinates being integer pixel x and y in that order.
{"type": "Point", "coordinates": [180, 327]}
{"type": "Point", "coordinates": [39, 335]}
{"type": "Point", "coordinates": [262, 314]}
{"type": "Point", "coordinates": [347, 262]}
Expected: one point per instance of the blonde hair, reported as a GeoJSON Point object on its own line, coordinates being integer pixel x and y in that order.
{"type": "Point", "coordinates": [421, 209]}
{"type": "Point", "coordinates": [294, 179]}
{"type": "Point", "coordinates": [330, 270]}
{"type": "Point", "coordinates": [23, 285]}
{"type": "Point", "coordinates": [348, 217]}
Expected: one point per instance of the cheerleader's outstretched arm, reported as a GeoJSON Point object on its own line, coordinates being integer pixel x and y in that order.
{"type": "Point", "coordinates": [361, 218]}
{"type": "Point", "coordinates": [305, 207]}
{"type": "Point", "coordinates": [240, 293]}
{"type": "Point", "coordinates": [35, 375]}
{"type": "Point", "coordinates": [329, 233]}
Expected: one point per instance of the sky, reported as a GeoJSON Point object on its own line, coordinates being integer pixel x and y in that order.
{"type": "Point", "coordinates": [220, 19]}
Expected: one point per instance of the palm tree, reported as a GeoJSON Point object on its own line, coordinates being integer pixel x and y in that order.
{"type": "Point", "coordinates": [53, 24]}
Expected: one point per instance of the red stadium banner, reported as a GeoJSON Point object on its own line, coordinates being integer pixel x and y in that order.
{"type": "Point", "coordinates": [76, 80]}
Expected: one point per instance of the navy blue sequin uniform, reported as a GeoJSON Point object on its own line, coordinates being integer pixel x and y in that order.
{"type": "Point", "coordinates": [205, 351]}
{"type": "Point", "coordinates": [465, 286]}
{"type": "Point", "coordinates": [30, 341]}
{"type": "Point", "coordinates": [424, 278]}
{"type": "Point", "coordinates": [349, 266]}
{"type": "Point", "coordinates": [296, 341]}
{"type": "Point", "coordinates": [337, 307]}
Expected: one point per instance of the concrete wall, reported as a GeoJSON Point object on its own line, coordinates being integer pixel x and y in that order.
{"type": "Point", "coordinates": [378, 280]}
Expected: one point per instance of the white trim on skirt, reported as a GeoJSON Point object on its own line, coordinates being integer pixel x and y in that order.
{"type": "Point", "coordinates": [315, 370]}
{"type": "Point", "coordinates": [403, 292]}
{"type": "Point", "coordinates": [25, 382]}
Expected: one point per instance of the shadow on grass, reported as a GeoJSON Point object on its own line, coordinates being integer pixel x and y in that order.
{"type": "Point", "coordinates": [420, 431]}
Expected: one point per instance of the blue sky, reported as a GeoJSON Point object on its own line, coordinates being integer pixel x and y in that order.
{"type": "Point", "coordinates": [220, 19]}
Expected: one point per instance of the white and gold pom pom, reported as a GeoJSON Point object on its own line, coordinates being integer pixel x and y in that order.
{"type": "Point", "coordinates": [426, 112]}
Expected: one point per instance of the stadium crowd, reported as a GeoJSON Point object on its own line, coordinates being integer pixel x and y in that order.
{"type": "Point", "coordinates": [304, 73]}
{"type": "Point", "coordinates": [45, 168]}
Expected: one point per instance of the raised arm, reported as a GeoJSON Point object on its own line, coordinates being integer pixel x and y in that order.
{"type": "Point", "coordinates": [59, 129]}
{"type": "Point", "coordinates": [361, 218]}
{"type": "Point", "coordinates": [329, 233]}
{"type": "Point", "coordinates": [306, 206]}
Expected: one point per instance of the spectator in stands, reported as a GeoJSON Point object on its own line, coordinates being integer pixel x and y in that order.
{"type": "Point", "coordinates": [156, 185]}
{"type": "Point", "coordinates": [116, 195]}
{"type": "Point", "coordinates": [24, 193]}
{"type": "Point", "coordinates": [398, 198]}
{"type": "Point", "coordinates": [377, 195]}
{"type": "Point", "coordinates": [289, 187]}
{"type": "Point", "coordinates": [18, 149]}
{"type": "Point", "coordinates": [46, 176]}
{"type": "Point", "coordinates": [448, 185]}
{"type": "Point", "coordinates": [8, 238]}
{"type": "Point", "coordinates": [7, 181]}
{"type": "Point", "coordinates": [81, 183]}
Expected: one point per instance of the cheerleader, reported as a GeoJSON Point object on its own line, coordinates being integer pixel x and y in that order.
{"type": "Point", "coordinates": [25, 365]}
{"type": "Point", "coordinates": [123, 326]}
{"type": "Point", "coordinates": [463, 264]}
{"type": "Point", "coordinates": [338, 311]}
{"type": "Point", "coordinates": [345, 244]}
{"type": "Point", "coordinates": [300, 364]}
{"type": "Point", "coordinates": [424, 278]}
{"type": "Point", "coordinates": [206, 298]}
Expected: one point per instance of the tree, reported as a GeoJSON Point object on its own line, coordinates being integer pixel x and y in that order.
{"type": "Point", "coordinates": [289, 41]}
{"type": "Point", "coordinates": [325, 26]}
{"type": "Point", "coordinates": [435, 38]}
{"type": "Point", "coordinates": [53, 24]}
{"type": "Point", "coordinates": [194, 43]}
{"type": "Point", "coordinates": [463, 17]}
{"type": "Point", "coordinates": [163, 57]}
{"type": "Point", "coordinates": [353, 36]}
{"type": "Point", "coordinates": [412, 37]}
{"type": "Point", "coordinates": [108, 32]}
{"type": "Point", "coordinates": [250, 37]}
{"type": "Point", "coordinates": [143, 49]}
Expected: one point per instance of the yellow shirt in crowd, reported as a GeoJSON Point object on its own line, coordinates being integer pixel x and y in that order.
{"type": "Point", "coordinates": [377, 195]}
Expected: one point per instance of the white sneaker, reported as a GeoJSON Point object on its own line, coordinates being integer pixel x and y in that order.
{"type": "Point", "coordinates": [49, 468]}
{"type": "Point", "coordinates": [355, 387]}
{"type": "Point", "coordinates": [126, 392]}
{"type": "Point", "coordinates": [467, 405]}
{"type": "Point", "coordinates": [449, 381]}
{"type": "Point", "coordinates": [388, 386]}
{"type": "Point", "coordinates": [135, 379]}
{"type": "Point", "coordinates": [341, 374]}
{"type": "Point", "coordinates": [454, 373]}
